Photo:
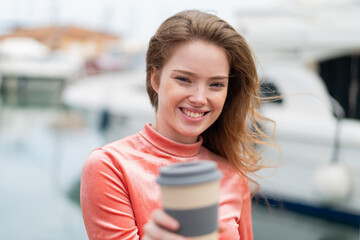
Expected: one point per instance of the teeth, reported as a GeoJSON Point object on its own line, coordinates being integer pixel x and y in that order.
{"type": "Point", "coordinates": [192, 114]}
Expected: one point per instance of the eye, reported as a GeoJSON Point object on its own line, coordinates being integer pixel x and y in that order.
{"type": "Point", "coordinates": [217, 85]}
{"type": "Point", "coordinates": [182, 79]}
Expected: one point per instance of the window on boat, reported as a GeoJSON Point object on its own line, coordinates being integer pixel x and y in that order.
{"type": "Point", "coordinates": [270, 92]}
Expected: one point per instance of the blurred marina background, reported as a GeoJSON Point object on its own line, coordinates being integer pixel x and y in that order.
{"type": "Point", "coordinates": [72, 78]}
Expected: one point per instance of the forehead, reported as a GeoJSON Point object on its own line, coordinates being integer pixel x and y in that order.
{"type": "Point", "coordinates": [198, 56]}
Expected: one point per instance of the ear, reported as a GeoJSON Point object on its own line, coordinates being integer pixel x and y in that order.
{"type": "Point", "coordinates": [154, 79]}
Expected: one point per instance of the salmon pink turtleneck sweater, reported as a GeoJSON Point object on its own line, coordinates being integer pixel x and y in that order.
{"type": "Point", "coordinates": [119, 190]}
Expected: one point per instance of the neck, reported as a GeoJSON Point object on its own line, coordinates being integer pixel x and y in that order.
{"type": "Point", "coordinates": [175, 137]}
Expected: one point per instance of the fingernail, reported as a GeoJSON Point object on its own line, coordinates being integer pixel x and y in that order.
{"type": "Point", "coordinates": [175, 225]}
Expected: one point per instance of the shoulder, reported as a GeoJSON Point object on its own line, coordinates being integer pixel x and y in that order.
{"type": "Point", "coordinates": [124, 143]}
{"type": "Point", "coordinates": [125, 148]}
{"type": "Point", "coordinates": [230, 174]}
{"type": "Point", "coordinates": [112, 152]}
{"type": "Point", "coordinates": [97, 162]}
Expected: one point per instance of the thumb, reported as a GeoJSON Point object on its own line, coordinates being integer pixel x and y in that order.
{"type": "Point", "coordinates": [222, 227]}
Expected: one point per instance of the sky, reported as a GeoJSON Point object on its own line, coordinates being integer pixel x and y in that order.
{"type": "Point", "coordinates": [137, 20]}
{"type": "Point", "coordinates": [131, 18]}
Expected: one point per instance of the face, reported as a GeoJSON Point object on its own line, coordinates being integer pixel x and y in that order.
{"type": "Point", "coordinates": [191, 89]}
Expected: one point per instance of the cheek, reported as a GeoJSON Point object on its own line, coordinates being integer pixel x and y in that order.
{"type": "Point", "coordinates": [168, 96]}
{"type": "Point", "coordinates": [171, 93]}
{"type": "Point", "coordinates": [220, 100]}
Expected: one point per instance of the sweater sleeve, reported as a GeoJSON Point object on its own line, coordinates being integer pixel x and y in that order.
{"type": "Point", "coordinates": [105, 201]}
{"type": "Point", "coordinates": [245, 222]}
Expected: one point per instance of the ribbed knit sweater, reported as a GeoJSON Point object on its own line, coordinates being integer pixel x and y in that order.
{"type": "Point", "coordinates": [119, 190]}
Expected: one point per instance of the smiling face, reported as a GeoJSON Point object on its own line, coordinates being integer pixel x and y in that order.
{"type": "Point", "coordinates": [192, 89]}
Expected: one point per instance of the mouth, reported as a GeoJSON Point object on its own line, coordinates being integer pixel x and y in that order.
{"type": "Point", "coordinates": [193, 114]}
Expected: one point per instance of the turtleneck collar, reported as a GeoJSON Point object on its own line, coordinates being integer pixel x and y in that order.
{"type": "Point", "coordinates": [170, 146]}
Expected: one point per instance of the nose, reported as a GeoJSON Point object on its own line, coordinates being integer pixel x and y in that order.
{"type": "Point", "coordinates": [198, 96]}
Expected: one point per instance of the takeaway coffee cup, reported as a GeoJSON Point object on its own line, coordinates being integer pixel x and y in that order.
{"type": "Point", "coordinates": [190, 194]}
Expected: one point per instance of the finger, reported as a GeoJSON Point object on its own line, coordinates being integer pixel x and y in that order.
{"type": "Point", "coordinates": [164, 220]}
{"type": "Point", "coordinates": [222, 227]}
{"type": "Point", "coordinates": [153, 231]}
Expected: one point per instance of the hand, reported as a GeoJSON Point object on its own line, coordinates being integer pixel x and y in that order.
{"type": "Point", "coordinates": [222, 227]}
{"type": "Point", "coordinates": [161, 226]}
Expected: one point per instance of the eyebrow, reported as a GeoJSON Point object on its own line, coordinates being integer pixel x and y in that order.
{"type": "Point", "coordinates": [195, 75]}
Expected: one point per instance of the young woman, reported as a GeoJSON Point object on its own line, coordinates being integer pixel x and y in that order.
{"type": "Point", "coordinates": [202, 82]}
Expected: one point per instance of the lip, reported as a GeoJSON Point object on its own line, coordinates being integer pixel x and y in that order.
{"type": "Point", "coordinates": [194, 111]}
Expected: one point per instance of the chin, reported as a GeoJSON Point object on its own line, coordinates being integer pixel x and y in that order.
{"type": "Point", "coordinates": [192, 132]}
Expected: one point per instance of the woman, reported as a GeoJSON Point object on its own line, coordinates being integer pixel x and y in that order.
{"type": "Point", "coordinates": [202, 82]}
